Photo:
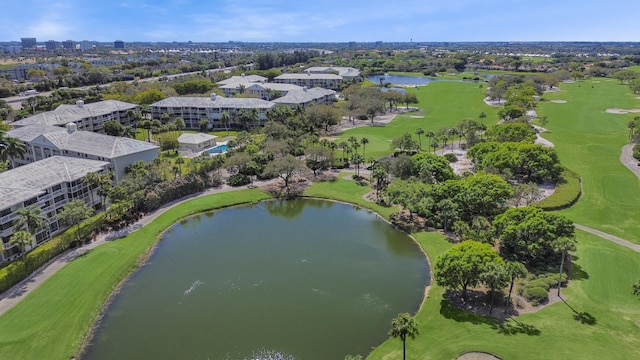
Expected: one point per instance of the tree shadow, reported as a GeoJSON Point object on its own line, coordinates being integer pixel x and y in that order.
{"type": "Point", "coordinates": [514, 327]}
{"type": "Point", "coordinates": [500, 325]}
{"type": "Point", "coordinates": [577, 273]}
{"type": "Point", "coordinates": [582, 316]}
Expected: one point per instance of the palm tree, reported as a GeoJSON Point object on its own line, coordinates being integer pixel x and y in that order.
{"type": "Point", "coordinates": [22, 239]}
{"type": "Point", "coordinates": [402, 326]}
{"type": "Point", "coordinates": [93, 180]}
{"type": "Point", "coordinates": [129, 132]}
{"type": "Point", "coordinates": [633, 124]}
{"type": "Point", "coordinates": [11, 148]}
{"type": "Point", "coordinates": [516, 271]}
{"type": "Point", "coordinates": [430, 135]}
{"type": "Point", "coordinates": [225, 120]}
{"type": "Point", "coordinates": [419, 132]}
{"type": "Point", "coordinates": [364, 141]}
{"type": "Point", "coordinates": [563, 245]}
{"type": "Point", "coordinates": [74, 213]}
{"type": "Point", "coordinates": [495, 277]}
{"type": "Point", "coordinates": [31, 219]}
{"type": "Point", "coordinates": [344, 146]}
{"type": "Point", "coordinates": [482, 116]}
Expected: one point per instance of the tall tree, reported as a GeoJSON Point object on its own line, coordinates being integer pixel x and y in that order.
{"type": "Point", "coordinates": [460, 266]}
{"type": "Point", "coordinates": [225, 120]}
{"type": "Point", "coordinates": [419, 132]}
{"type": "Point", "coordinates": [22, 239]}
{"type": "Point", "coordinates": [31, 219]}
{"type": "Point", "coordinates": [515, 270]}
{"type": "Point", "coordinates": [563, 245]}
{"type": "Point", "coordinates": [403, 326]}
{"type": "Point", "coordinates": [364, 141]}
{"type": "Point", "coordinates": [74, 213]}
{"type": "Point", "coordinates": [495, 277]}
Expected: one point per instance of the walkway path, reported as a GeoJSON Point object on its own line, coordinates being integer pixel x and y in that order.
{"type": "Point", "coordinates": [604, 235]}
{"type": "Point", "coordinates": [11, 297]}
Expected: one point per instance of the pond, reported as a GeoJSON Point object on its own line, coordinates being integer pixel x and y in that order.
{"type": "Point", "coordinates": [401, 79]}
{"type": "Point", "coordinates": [303, 279]}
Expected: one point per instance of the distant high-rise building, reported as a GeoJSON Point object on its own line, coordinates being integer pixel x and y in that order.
{"type": "Point", "coordinates": [69, 45]}
{"type": "Point", "coordinates": [28, 43]}
{"type": "Point", "coordinates": [85, 45]}
{"type": "Point", "coordinates": [51, 45]}
{"type": "Point", "coordinates": [118, 44]}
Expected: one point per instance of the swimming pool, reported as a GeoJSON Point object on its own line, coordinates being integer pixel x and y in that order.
{"type": "Point", "coordinates": [218, 149]}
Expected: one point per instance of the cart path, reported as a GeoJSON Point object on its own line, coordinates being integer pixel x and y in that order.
{"type": "Point", "coordinates": [604, 235]}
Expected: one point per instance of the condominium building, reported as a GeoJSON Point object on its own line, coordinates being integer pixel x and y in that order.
{"type": "Point", "coordinates": [347, 73]}
{"type": "Point", "coordinates": [48, 184]}
{"type": "Point", "coordinates": [43, 141]}
{"type": "Point", "coordinates": [90, 117]}
{"type": "Point", "coordinates": [309, 80]}
{"type": "Point", "coordinates": [29, 43]}
{"type": "Point", "coordinates": [194, 109]}
{"type": "Point", "coordinates": [306, 97]}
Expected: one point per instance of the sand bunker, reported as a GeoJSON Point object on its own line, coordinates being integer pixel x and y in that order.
{"type": "Point", "coordinates": [622, 111]}
{"type": "Point", "coordinates": [416, 117]}
{"type": "Point", "coordinates": [477, 356]}
{"type": "Point", "coordinates": [559, 101]}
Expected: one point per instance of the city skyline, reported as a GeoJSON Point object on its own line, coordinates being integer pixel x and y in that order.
{"type": "Point", "coordinates": [328, 21]}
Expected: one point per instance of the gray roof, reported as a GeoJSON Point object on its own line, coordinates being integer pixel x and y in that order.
{"type": "Point", "coordinates": [25, 182]}
{"type": "Point", "coordinates": [309, 76]}
{"type": "Point", "coordinates": [65, 114]}
{"type": "Point", "coordinates": [86, 142]}
{"type": "Point", "coordinates": [194, 138]}
{"type": "Point", "coordinates": [276, 86]}
{"type": "Point", "coordinates": [219, 102]}
{"type": "Point", "coordinates": [304, 96]}
{"type": "Point", "coordinates": [341, 70]}
{"type": "Point", "coordinates": [243, 79]}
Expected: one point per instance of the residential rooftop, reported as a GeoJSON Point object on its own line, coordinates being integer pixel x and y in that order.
{"type": "Point", "coordinates": [194, 138]}
{"type": "Point", "coordinates": [24, 182]}
{"type": "Point", "coordinates": [85, 142]}
{"type": "Point", "coordinates": [304, 96]}
{"type": "Point", "coordinates": [243, 79]}
{"type": "Point", "coordinates": [65, 113]}
{"type": "Point", "coordinates": [214, 102]}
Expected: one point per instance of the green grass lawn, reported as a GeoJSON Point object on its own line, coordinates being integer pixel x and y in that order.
{"type": "Point", "coordinates": [600, 290]}
{"type": "Point", "coordinates": [589, 141]}
{"type": "Point", "coordinates": [50, 322]}
{"type": "Point", "coordinates": [442, 105]}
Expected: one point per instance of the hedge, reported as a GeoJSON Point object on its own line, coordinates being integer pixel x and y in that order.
{"type": "Point", "coordinates": [567, 192]}
{"type": "Point", "coordinates": [19, 270]}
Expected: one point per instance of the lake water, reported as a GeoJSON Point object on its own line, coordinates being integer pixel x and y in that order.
{"type": "Point", "coordinates": [303, 279]}
{"type": "Point", "coordinates": [401, 79]}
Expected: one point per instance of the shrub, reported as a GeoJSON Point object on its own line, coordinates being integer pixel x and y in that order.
{"type": "Point", "coordinates": [535, 295]}
{"type": "Point", "coordinates": [566, 193]}
{"type": "Point", "coordinates": [451, 157]}
{"type": "Point", "coordinates": [636, 152]}
{"type": "Point", "coordinates": [238, 180]}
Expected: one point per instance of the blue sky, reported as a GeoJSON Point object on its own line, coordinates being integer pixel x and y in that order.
{"type": "Point", "coordinates": [320, 21]}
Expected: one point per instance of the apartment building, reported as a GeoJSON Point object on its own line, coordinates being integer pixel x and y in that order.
{"type": "Point", "coordinates": [309, 80]}
{"type": "Point", "coordinates": [307, 97]}
{"type": "Point", "coordinates": [194, 109]}
{"type": "Point", "coordinates": [90, 117]}
{"type": "Point", "coordinates": [48, 184]}
{"type": "Point", "coordinates": [44, 141]}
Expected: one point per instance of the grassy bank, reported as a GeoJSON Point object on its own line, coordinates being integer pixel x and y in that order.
{"type": "Point", "coordinates": [599, 290]}
{"type": "Point", "coordinates": [589, 141]}
{"type": "Point", "coordinates": [50, 322]}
